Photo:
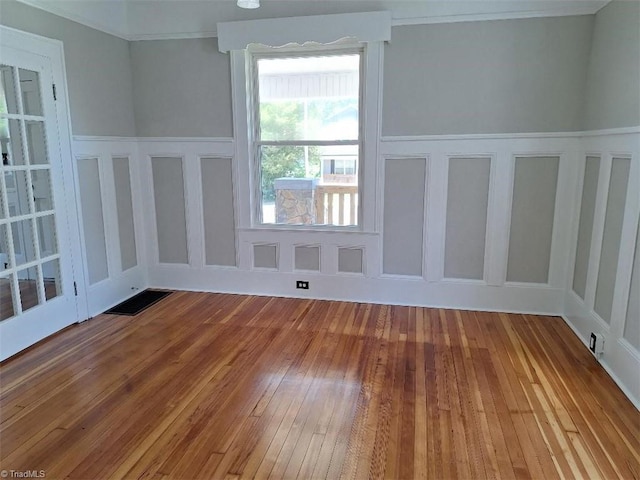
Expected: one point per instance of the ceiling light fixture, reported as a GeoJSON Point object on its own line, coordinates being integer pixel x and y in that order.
{"type": "Point", "coordinates": [251, 4]}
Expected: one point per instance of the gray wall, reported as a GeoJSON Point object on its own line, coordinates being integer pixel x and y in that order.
{"type": "Point", "coordinates": [613, 221]}
{"type": "Point", "coordinates": [98, 70]}
{"type": "Point", "coordinates": [218, 213]}
{"type": "Point", "coordinates": [487, 77]}
{"type": "Point", "coordinates": [466, 229]}
{"type": "Point", "coordinates": [92, 219]}
{"type": "Point", "coordinates": [585, 227]}
{"type": "Point", "coordinates": [632, 323]}
{"type": "Point", "coordinates": [182, 88]}
{"type": "Point", "coordinates": [613, 88]}
{"type": "Point", "coordinates": [532, 215]}
{"type": "Point", "coordinates": [124, 206]}
{"type": "Point", "coordinates": [171, 218]}
{"type": "Point", "coordinates": [403, 216]}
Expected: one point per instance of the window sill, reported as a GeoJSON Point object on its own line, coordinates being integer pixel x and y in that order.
{"type": "Point", "coordinates": [330, 229]}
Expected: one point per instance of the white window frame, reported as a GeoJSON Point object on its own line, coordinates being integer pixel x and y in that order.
{"type": "Point", "coordinates": [246, 196]}
{"type": "Point", "coordinates": [257, 54]}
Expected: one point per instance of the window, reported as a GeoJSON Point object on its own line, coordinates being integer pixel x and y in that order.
{"type": "Point", "coordinates": [307, 137]}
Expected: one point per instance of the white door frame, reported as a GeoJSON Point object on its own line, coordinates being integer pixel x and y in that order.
{"type": "Point", "coordinates": [53, 50]}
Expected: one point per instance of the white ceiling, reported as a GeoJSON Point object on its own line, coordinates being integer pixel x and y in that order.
{"type": "Point", "coordinates": [153, 19]}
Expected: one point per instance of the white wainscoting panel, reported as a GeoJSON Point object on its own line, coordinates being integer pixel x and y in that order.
{"type": "Point", "coordinates": [621, 358]}
{"type": "Point", "coordinates": [332, 269]}
{"type": "Point", "coordinates": [113, 285]}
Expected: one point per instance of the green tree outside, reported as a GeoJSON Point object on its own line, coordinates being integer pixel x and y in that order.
{"type": "Point", "coordinates": [284, 120]}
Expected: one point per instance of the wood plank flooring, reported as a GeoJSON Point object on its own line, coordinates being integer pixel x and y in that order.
{"type": "Point", "coordinates": [208, 386]}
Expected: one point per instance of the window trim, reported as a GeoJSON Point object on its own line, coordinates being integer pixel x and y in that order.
{"type": "Point", "coordinates": [370, 180]}
{"type": "Point", "coordinates": [255, 55]}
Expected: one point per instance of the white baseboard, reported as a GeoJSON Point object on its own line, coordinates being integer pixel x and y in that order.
{"type": "Point", "coordinates": [355, 288]}
{"type": "Point", "coordinates": [620, 359]}
{"type": "Point", "coordinates": [105, 294]}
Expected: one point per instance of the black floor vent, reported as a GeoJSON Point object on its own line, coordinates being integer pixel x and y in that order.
{"type": "Point", "coordinates": [138, 303]}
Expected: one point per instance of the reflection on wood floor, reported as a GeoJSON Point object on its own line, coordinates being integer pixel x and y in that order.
{"type": "Point", "coordinates": [28, 295]}
{"type": "Point", "coordinates": [229, 386]}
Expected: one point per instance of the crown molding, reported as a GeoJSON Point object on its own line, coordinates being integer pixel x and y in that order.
{"type": "Point", "coordinates": [49, 7]}
{"type": "Point", "coordinates": [172, 36]}
{"type": "Point", "coordinates": [577, 9]}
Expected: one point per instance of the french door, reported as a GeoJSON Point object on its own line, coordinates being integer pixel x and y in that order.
{"type": "Point", "coordinates": [38, 294]}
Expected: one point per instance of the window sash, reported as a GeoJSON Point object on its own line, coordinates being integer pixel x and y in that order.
{"type": "Point", "coordinates": [256, 143]}
{"type": "Point", "coordinates": [305, 143]}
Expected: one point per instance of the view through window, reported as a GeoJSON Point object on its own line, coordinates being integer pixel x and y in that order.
{"type": "Point", "coordinates": [309, 139]}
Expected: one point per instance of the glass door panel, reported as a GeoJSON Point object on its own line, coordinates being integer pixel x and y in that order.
{"type": "Point", "coordinates": [6, 297]}
{"type": "Point", "coordinates": [30, 88]}
{"type": "Point", "coordinates": [37, 143]}
{"type": "Point", "coordinates": [29, 252]}
{"type": "Point", "coordinates": [8, 100]}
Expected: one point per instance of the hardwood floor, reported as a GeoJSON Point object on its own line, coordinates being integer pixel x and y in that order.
{"type": "Point", "coordinates": [228, 386]}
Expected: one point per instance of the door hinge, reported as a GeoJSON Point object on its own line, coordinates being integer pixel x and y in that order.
{"type": "Point", "coordinates": [75, 288]}
{"type": "Point", "coordinates": [55, 95]}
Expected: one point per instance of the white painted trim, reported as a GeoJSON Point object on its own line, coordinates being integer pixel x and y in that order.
{"type": "Point", "coordinates": [503, 198]}
{"type": "Point", "coordinates": [578, 9]}
{"type": "Point", "coordinates": [477, 136]}
{"type": "Point", "coordinates": [51, 7]}
{"type": "Point", "coordinates": [371, 115]}
{"type": "Point", "coordinates": [431, 289]}
{"type": "Point", "coordinates": [119, 284]}
{"type": "Point", "coordinates": [391, 138]}
{"type": "Point", "coordinates": [248, 192]}
{"type": "Point", "coordinates": [113, 290]}
{"type": "Point", "coordinates": [631, 214]}
{"type": "Point", "coordinates": [510, 136]}
{"type": "Point", "coordinates": [435, 225]}
{"type": "Point", "coordinates": [466, 281]}
{"type": "Point", "coordinates": [47, 57]}
{"type": "Point", "coordinates": [269, 228]}
{"type": "Point", "coordinates": [324, 29]}
{"type": "Point", "coordinates": [221, 140]}
{"type": "Point", "coordinates": [620, 359]}
{"type": "Point", "coordinates": [488, 235]}
{"type": "Point", "coordinates": [611, 131]}
{"type": "Point", "coordinates": [95, 138]}
{"type": "Point", "coordinates": [392, 290]}
{"type": "Point", "coordinates": [141, 37]}
{"type": "Point", "coordinates": [634, 399]}
{"type": "Point", "coordinates": [104, 138]}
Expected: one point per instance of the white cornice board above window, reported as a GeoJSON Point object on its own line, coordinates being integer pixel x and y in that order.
{"type": "Point", "coordinates": [324, 29]}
